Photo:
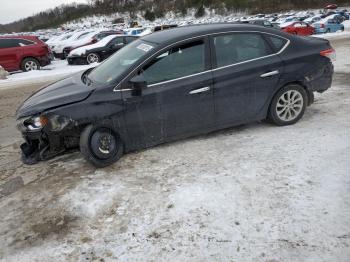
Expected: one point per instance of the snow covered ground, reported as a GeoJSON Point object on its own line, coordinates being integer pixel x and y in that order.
{"type": "Point", "coordinates": [252, 193]}
{"type": "Point", "coordinates": [56, 70]}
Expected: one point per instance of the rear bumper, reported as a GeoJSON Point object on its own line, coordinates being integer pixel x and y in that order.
{"type": "Point", "coordinates": [44, 60]}
{"type": "Point", "coordinates": [322, 80]}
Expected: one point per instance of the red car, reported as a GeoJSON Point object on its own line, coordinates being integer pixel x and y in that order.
{"type": "Point", "coordinates": [299, 28]}
{"type": "Point", "coordinates": [331, 6]}
{"type": "Point", "coordinates": [24, 53]}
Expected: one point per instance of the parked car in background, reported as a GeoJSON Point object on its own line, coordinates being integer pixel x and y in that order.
{"type": "Point", "coordinates": [99, 51]}
{"type": "Point", "coordinates": [299, 28]}
{"type": "Point", "coordinates": [55, 40]}
{"type": "Point", "coordinates": [24, 53]}
{"type": "Point", "coordinates": [61, 44]}
{"type": "Point", "coordinates": [152, 29]}
{"type": "Point", "coordinates": [88, 39]}
{"type": "Point", "coordinates": [103, 34]}
{"type": "Point", "coordinates": [313, 19]}
{"type": "Point", "coordinates": [261, 22]}
{"type": "Point", "coordinates": [134, 31]}
{"type": "Point", "coordinates": [328, 25]}
{"type": "Point", "coordinates": [331, 6]}
{"type": "Point", "coordinates": [175, 84]}
{"type": "Point", "coordinates": [343, 14]}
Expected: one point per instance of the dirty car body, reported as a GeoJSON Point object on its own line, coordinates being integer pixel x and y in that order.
{"type": "Point", "coordinates": [171, 85]}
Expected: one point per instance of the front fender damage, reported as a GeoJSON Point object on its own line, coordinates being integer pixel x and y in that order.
{"type": "Point", "coordinates": [46, 143]}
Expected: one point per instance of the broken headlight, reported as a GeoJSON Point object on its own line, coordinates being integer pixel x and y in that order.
{"type": "Point", "coordinates": [33, 123]}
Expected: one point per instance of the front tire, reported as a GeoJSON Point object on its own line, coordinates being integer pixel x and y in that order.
{"type": "Point", "coordinates": [288, 105]}
{"type": "Point", "coordinates": [93, 58]}
{"type": "Point", "coordinates": [100, 145]}
{"type": "Point", "coordinates": [30, 64]}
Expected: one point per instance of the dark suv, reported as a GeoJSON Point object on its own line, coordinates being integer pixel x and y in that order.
{"type": "Point", "coordinates": [174, 84]}
{"type": "Point", "coordinates": [24, 53]}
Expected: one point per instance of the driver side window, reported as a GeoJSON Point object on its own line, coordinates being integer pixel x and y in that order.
{"type": "Point", "coordinates": [180, 61]}
{"type": "Point", "coordinates": [117, 41]}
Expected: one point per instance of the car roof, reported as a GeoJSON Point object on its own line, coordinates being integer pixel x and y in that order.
{"type": "Point", "coordinates": [180, 33]}
{"type": "Point", "coordinates": [26, 37]}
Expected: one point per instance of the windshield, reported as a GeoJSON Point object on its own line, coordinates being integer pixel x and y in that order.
{"type": "Point", "coordinates": [120, 62]}
{"type": "Point", "coordinates": [83, 35]}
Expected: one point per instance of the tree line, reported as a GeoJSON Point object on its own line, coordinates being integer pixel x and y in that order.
{"type": "Point", "coordinates": [153, 9]}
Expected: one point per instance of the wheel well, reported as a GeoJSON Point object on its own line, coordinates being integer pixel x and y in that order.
{"type": "Point", "coordinates": [105, 124]}
{"type": "Point", "coordinates": [310, 95]}
{"type": "Point", "coordinates": [26, 57]}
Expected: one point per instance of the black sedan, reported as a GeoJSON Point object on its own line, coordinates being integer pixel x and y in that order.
{"type": "Point", "coordinates": [175, 84]}
{"type": "Point", "coordinates": [99, 51]}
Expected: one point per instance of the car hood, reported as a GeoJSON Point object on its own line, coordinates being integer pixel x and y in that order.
{"type": "Point", "coordinates": [66, 91]}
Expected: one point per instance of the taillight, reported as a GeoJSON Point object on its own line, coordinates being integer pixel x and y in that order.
{"type": "Point", "coordinates": [330, 53]}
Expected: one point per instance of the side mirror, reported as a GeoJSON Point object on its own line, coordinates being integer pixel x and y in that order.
{"type": "Point", "coordinates": [138, 83]}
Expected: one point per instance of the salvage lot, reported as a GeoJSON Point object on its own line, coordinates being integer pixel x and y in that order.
{"type": "Point", "coordinates": [250, 193]}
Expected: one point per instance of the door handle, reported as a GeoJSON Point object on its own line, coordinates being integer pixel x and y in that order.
{"type": "Point", "coordinates": [200, 90]}
{"type": "Point", "coordinates": [272, 73]}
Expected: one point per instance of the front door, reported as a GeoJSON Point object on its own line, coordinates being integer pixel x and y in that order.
{"type": "Point", "coordinates": [180, 92]}
{"type": "Point", "coordinates": [9, 52]}
{"type": "Point", "coordinates": [245, 75]}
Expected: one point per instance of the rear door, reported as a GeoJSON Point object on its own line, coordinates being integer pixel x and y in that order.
{"type": "Point", "coordinates": [245, 75]}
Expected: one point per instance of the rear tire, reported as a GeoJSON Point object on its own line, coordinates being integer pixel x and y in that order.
{"type": "Point", "coordinates": [30, 64]}
{"type": "Point", "coordinates": [288, 105]}
{"type": "Point", "coordinates": [100, 145]}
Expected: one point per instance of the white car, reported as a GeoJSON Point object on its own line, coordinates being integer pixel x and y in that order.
{"type": "Point", "coordinates": [53, 41]}
{"type": "Point", "coordinates": [58, 49]}
{"type": "Point", "coordinates": [313, 19]}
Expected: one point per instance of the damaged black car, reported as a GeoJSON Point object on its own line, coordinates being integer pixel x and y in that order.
{"type": "Point", "coordinates": [176, 84]}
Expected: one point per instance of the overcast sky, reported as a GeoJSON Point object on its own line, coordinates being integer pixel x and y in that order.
{"type": "Point", "coordinates": [12, 10]}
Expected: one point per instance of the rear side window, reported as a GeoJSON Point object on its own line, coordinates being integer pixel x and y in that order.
{"type": "Point", "coordinates": [239, 47]}
{"type": "Point", "coordinates": [23, 42]}
{"type": "Point", "coordinates": [277, 42]}
{"type": "Point", "coordinates": [180, 61]}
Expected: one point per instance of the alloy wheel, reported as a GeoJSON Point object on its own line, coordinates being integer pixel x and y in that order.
{"type": "Point", "coordinates": [31, 65]}
{"type": "Point", "coordinates": [92, 58]}
{"type": "Point", "coordinates": [289, 105]}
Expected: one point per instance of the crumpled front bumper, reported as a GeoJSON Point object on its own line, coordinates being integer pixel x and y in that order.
{"type": "Point", "coordinates": [40, 146]}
